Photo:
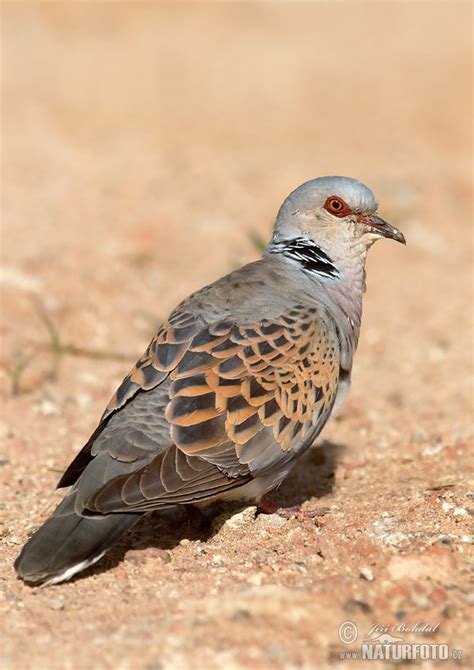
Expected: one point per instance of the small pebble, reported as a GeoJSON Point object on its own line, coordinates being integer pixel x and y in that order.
{"type": "Point", "coordinates": [420, 600]}
{"type": "Point", "coordinates": [46, 408]}
{"type": "Point", "coordinates": [242, 518]}
{"type": "Point", "coordinates": [256, 579]}
{"type": "Point", "coordinates": [432, 450]}
{"type": "Point", "coordinates": [57, 603]}
{"type": "Point", "coordinates": [460, 511]}
{"type": "Point", "coordinates": [272, 520]}
{"type": "Point", "coordinates": [217, 559]}
{"type": "Point", "coordinates": [366, 573]}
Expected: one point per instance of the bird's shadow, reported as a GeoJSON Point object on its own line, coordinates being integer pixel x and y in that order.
{"type": "Point", "coordinates": [312, 477]}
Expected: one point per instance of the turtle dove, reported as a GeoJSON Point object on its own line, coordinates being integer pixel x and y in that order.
{"type": "Point", "coordinates": [234, 387]}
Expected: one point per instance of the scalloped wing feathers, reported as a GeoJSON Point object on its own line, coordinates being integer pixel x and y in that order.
{"type": "Point", "coordinates": [221, 402]}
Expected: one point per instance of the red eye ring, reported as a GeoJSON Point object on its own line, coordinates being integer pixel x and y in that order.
{"type": "Point", "coordinates": [336, 206]}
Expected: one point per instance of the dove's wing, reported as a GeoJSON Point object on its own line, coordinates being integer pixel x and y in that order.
{"type": "Point", "coordinates": [209, 408]}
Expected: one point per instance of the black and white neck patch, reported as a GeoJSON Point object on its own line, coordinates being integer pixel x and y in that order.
{"type": "Point", "coordinates": [307, 253]}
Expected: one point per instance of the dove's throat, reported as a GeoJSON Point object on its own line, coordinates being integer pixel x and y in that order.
{"type": "Point", "coordinates": [347, 290]}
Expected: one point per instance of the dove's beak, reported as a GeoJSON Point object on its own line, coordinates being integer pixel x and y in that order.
{"type": "Point", "coordinates": [384, 228]}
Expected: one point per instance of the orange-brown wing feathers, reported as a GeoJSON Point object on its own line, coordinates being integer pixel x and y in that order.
{"type": "Point", "coordinates": [241, 400]}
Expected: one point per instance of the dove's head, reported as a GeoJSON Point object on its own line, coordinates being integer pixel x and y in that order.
{"type": "Point", "coordinates": [338, 213]}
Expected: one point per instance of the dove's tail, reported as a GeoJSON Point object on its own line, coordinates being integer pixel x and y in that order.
{"type": "Point", "coordinates": [68, 543]}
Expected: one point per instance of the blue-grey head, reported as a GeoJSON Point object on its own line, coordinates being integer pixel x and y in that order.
{"type": "Point", "coordinates": [337, 213]}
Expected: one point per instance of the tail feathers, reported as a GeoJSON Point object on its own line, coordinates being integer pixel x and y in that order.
{"type": "Point", "coordinates": [68, 543]}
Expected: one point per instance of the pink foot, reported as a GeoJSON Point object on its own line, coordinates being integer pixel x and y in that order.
{"type": "Point", "coordinates": [267, 506]}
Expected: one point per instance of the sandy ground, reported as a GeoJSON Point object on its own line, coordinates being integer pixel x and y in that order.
{"type": "Point", "coordinates": [145, 151]}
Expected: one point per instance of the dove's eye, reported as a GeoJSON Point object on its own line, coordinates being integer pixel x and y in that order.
{"type": "Point", "coordinates": [336, 206]}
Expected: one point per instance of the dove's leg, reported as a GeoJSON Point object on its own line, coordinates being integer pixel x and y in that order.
{"type": "Point", "coordinates": [267, 506]}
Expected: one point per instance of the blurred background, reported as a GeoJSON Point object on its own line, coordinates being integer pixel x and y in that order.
{"type": "Point", "coordinates": [146, 148]}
